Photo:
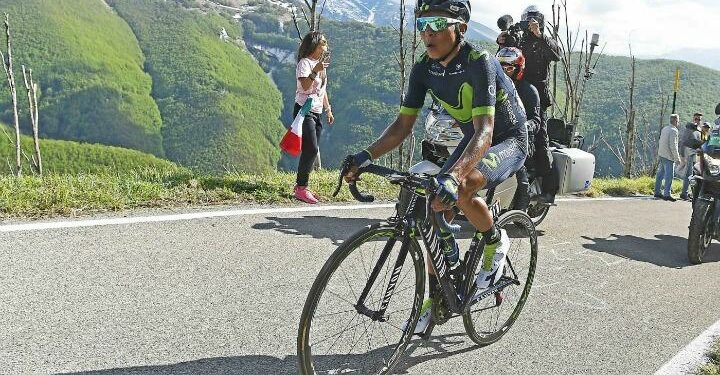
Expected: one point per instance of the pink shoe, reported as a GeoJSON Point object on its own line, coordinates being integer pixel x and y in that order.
{"type": "Point", "coordinates": [303, 194]}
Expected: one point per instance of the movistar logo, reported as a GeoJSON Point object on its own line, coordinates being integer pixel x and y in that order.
{"type": "Point", "coordinates": [463, 110]}
{"type": "Point", "coordinates": [477, 55]}
{"type": "Point", "coordinates": [491, 161]}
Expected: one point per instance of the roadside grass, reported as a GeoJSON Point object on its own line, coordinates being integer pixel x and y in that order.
{"type": "Point", "coordinates": [713, 366]}
{"type": "Point", "coordinates": [78, 194]}
{"type": "Point", "coordinates": [71, 195]}
{"type": "Point", "coordinates": [626, 187]}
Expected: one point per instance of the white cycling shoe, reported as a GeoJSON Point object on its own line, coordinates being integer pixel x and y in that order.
{"type": "Point", "coordinates": [425, 317]}
{"type": "Point", "coordinates": [489, 276]}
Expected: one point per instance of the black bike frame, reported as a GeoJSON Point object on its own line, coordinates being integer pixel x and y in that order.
{"type": "Point", "coordinates": [455, 303]}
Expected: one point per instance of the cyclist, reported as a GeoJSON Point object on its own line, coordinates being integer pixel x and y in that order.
{"type": "Point", "coordinates": [513, 63]}
{"type": "Point", "coordinates": [470, 85]}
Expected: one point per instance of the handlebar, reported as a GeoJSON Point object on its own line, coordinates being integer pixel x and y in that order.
{"type": "Point", "coordinates": [398, 178]}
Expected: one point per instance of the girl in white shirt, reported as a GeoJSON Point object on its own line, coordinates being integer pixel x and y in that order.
{"type": "Point", "coordinates": [311, 74]}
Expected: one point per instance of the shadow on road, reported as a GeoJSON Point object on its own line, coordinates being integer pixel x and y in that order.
{"type": "Point", "coordinates": [663, 250]}
{"type": "Point", "coordinates": [336, 229]}
{"type": "Point", "coordinates": [438, 347]}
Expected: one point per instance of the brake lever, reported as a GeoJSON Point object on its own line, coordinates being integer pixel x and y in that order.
{"type": "Point", "coordinates": [345, 169]}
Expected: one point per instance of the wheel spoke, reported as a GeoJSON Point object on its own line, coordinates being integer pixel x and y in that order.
{"type": "Point", "coordinates": [345, 339]}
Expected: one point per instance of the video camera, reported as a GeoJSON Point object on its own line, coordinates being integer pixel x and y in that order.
{"type": "Point", "coordinates": [514, 30]}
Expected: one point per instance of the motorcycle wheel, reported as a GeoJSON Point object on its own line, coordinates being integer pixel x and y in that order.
{"type": "Point", "coordinates": [701, 231]}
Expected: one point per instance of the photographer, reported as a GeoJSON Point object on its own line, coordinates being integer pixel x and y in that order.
{"type": "Point", "coordinates": [539, 49]}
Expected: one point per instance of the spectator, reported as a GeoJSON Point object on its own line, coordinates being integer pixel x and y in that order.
{"type": "Point", "coordinates": [705, 132]}
{"type": "Point", "coordinates": [669, 155]}
{"type": "Point", "coordinates": [690, 141]}
{"type": "Point", "coordinates": [311, 74]}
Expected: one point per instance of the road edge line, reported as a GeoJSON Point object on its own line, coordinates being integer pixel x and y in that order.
{"type": "Point", "coordinates": [692, 356]}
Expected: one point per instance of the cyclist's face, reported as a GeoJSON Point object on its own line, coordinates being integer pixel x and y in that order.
{"type": "Point", "coordinates": [438, 43]}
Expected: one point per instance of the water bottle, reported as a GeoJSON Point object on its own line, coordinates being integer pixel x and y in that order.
{"type": "Point", "coordinates": [450, 248]}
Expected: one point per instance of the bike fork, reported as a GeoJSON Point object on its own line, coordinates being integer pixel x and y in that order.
{"type": "Point", "coordinates": [379, 315]}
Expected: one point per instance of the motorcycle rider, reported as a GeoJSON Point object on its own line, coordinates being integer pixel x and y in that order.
{"type": "Point", "coordinates": [513, 63]}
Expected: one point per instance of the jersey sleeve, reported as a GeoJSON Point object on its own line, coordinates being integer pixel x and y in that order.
{"type": "Point", "coordinates": [415, 95]}
{"type": "Point", "coordinates": [484, 83]}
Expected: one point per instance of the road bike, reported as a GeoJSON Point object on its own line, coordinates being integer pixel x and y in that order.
{"type": "Point", "coordinates": [362, 309]}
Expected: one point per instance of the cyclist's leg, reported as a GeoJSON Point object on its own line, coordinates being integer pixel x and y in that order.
{"type": "Point", "coordinates": [501, 161]}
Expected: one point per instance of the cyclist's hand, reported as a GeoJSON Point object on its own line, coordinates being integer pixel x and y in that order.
{"type": "Point", "coordinates": [446, 192]}
{"type": "Point", "coordinates": [355, 162]}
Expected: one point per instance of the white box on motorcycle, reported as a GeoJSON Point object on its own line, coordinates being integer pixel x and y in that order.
{"type": "Point", "coordinates": [576, 169]}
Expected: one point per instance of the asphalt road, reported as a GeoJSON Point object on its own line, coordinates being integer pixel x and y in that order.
{"type": "Point", "coordinates": [614, 294]}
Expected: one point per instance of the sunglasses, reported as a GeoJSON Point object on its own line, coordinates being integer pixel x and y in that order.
{"type": "Point", "coordinates": [508, 68]}
{"type": "Point", "coordinates": [435, 23]}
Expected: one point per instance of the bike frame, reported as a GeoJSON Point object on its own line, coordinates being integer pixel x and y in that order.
{"type": "Point", "coordinates": [456, 301]}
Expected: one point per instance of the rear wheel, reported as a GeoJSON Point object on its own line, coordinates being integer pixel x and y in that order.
{"type": "Point", "coordinates": [701, 228]}
{"type": "Point", "coordinates": [489, 319]}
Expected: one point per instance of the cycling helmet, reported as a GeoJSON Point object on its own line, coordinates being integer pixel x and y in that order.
{"type": "Point", "coordinates": [533, 12]}
{"type": "Point", "coordinates": [513, 56]}
{"type": "Point", "coordinates": [457, 8]}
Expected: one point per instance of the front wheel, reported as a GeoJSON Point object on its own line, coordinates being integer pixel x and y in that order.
{"type": "Point", "coordinates": [701, 231]}
{"type": "Point", "coordinates": [489, 319]}
{"type": "Point", "coordinates": [339, 335]}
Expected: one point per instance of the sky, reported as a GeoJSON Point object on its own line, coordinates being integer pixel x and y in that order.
{"type": "Point", "coordinates": [653, 27]}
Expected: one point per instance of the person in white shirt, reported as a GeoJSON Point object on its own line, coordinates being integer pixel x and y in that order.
{"type": "Point", "coordinates": [669, 155]}
{"type": "Point", "coordinates": [312, 80]}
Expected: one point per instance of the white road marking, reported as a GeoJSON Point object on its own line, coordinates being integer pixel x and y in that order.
{"type": "Point", "coordinates": [178, 217]}
{"type": "Point", "coordinates": [229, 213]}
{"type": "Point", "coordinates": [691, 357]}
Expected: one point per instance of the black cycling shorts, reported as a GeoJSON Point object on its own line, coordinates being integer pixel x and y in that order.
{"type": "Point", "coordinates": [501, 161]}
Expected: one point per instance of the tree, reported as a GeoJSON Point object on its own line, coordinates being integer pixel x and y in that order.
{"type": "Point", "coordinates": [32, 90]}
{"type": "Point", "coordinates": [10, 75]}
{"type": "Point", "coordinates": [578, 66]}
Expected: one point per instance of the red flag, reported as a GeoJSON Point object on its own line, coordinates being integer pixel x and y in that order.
{"type": "Point", "coordinates": [292, 141]}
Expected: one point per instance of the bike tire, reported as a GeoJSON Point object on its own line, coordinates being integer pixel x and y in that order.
{"type": "Point", "coordinates": [700, 224]}
{"type": "Point", "coordinates": [519, 225]}
{"type": "Point", "coordinates": [310, 364]}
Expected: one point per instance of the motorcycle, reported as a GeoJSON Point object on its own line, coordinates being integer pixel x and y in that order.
{"type": "Point", "coordinates": [443, 135]}
{"type": "Point", "coordinates": [705, 220]}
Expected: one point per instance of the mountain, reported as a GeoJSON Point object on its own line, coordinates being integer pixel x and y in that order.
{"type": "Point", "coordinates": [147, 75]}
{"type": "Point", "coordinates": [709, 57]}
{"type": "Point", "coordinates": [220, 111]}
{"type": "Point", "coordinates": [89, 68]}
{"type": "Point", "coordinates": [387, 13]}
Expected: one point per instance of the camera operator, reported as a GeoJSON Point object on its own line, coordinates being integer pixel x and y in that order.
{"type": "Point", "coordinates": [539, 49]}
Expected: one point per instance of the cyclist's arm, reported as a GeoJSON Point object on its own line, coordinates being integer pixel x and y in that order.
{"type": "Point", "coordinates": [477, 147]}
